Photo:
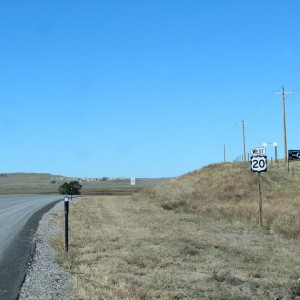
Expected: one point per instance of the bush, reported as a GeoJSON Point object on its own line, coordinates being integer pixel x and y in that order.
{"type": "Point", "coordinates": [71, 188]}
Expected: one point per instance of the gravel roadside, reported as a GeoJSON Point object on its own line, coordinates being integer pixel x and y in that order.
{"type": "Point", "coordinates": [45, 279]}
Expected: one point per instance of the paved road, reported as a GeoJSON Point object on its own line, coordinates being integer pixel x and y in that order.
{"type": "Point", "coordinates": [19, 217]}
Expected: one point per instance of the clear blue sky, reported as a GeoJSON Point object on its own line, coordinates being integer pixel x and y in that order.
{"type": "Point", "coordinates": [149, 88]}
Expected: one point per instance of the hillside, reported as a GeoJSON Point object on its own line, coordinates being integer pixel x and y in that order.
{"type": "Point", "coordinates": [27, 183]}
{"type": "Point", "coordinates": [230, 190]}
{"type": "Point", "coordinates": [194, 237]}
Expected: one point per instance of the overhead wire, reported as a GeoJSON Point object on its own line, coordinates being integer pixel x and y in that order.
{"type": "Point", "coordinates": [259, 118]}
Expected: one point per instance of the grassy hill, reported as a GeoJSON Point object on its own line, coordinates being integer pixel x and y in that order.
{"type": "Point", "coordinates": [194, 237]}
{"type": "Point", "coordinates": [230, 191]}
{"type": "Point", "coordinates": [27, 183]}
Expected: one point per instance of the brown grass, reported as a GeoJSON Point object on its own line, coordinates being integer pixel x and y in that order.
{"type": "Point", "coordinates": [196, 237]}
{"type": "Point", "coordinates": [231, 191]}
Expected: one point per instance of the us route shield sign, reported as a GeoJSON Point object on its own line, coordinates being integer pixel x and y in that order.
{"type": "Point", "coordinates": [259, 163]}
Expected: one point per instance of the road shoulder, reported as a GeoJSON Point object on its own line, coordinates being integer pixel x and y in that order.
{"type": "Point", "coordinates": [18, 256]}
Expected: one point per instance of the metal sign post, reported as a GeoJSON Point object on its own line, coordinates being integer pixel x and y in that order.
{"type": "Point", "coordinates": [132, 183]}
{"type": "Point", "coordinates": [66, 202]}
{"type": "Point", "coordinates": [275, 147]}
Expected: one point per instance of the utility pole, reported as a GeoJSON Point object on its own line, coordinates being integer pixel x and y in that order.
{"type": "Point", "coordinates": [244, 143]}
{"type": "Point", "coordinates": [284, 120]}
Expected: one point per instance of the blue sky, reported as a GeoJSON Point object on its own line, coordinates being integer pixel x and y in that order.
{"type": "Point", "coordinates": [149, 88]}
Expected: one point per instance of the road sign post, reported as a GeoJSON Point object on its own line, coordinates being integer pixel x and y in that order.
{"type": "Point", "coordinates": [258, 165]}
{"type": "Point", "coordinates": [260, 200]}
{"type": "Point", "coordinates": [132, 183]}
{"type": "Point", "coordinates": [275, 147]}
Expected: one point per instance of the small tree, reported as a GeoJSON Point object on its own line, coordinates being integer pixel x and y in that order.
{"type": "Point", "coordinates": [71, 188]}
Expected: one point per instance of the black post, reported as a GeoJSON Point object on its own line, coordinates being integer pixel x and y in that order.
{"type": "Point", "coordinates": [66, 223]}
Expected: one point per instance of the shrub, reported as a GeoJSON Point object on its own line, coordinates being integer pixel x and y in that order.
{"type": "Point", "coordinates": [71, 188]}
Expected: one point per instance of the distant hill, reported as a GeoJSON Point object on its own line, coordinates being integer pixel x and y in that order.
{"type": "Point", "coordinates": [44, 183]}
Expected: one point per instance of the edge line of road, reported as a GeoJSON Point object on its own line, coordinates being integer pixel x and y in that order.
{"type": "Point", "coordinates": [16, 206]}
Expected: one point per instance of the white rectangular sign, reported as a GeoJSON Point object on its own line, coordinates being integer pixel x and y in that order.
{"type": "Point", "coordinates": [132, 181]}
{"type": "Point", "coordinates": [259, 151]}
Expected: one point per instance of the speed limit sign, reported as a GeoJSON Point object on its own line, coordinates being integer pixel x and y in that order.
{"type": "Point", "coordinates": [259, 163]}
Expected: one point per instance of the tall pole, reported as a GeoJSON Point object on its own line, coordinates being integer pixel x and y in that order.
{"type": "Point", "coordinates": [284, 125]}
{"type": "Point", "coordinates": [284, 121]}
{"type": "Point", "coordinates": [244, 143]}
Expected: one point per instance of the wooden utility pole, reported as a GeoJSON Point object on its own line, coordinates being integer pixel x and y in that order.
{"type": "Point", "coordinates": [284, 125]}
{"type": "Point", "coordinates": [284, 121]}
{"type": "Point", "coordinates": [244, 143]}
{"type": "Point", "coordinates": [260, 200]}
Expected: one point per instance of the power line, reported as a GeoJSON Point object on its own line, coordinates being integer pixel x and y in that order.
{"type": "Point", "coordinates": [261, 107]}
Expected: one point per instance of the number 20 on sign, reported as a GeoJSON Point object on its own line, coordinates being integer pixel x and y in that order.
{"type": "Point", "coordinates": [259, 164]}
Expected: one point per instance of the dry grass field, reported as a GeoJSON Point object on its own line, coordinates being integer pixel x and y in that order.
{"type": "Point", "coordinates": [230, 191]}
{"type": "Point", "coordinates": [195, 237]}
{"type": "Point", "coordinates": [27, 183]}
{"type": "Point", "coordinates": [38, 183]}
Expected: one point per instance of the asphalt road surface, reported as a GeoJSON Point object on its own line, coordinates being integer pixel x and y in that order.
{"type": "Point", "coordinates": [19, 217]}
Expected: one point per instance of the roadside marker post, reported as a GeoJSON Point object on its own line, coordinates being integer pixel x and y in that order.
{"type": "Point", "coordinates": [66, 202]}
